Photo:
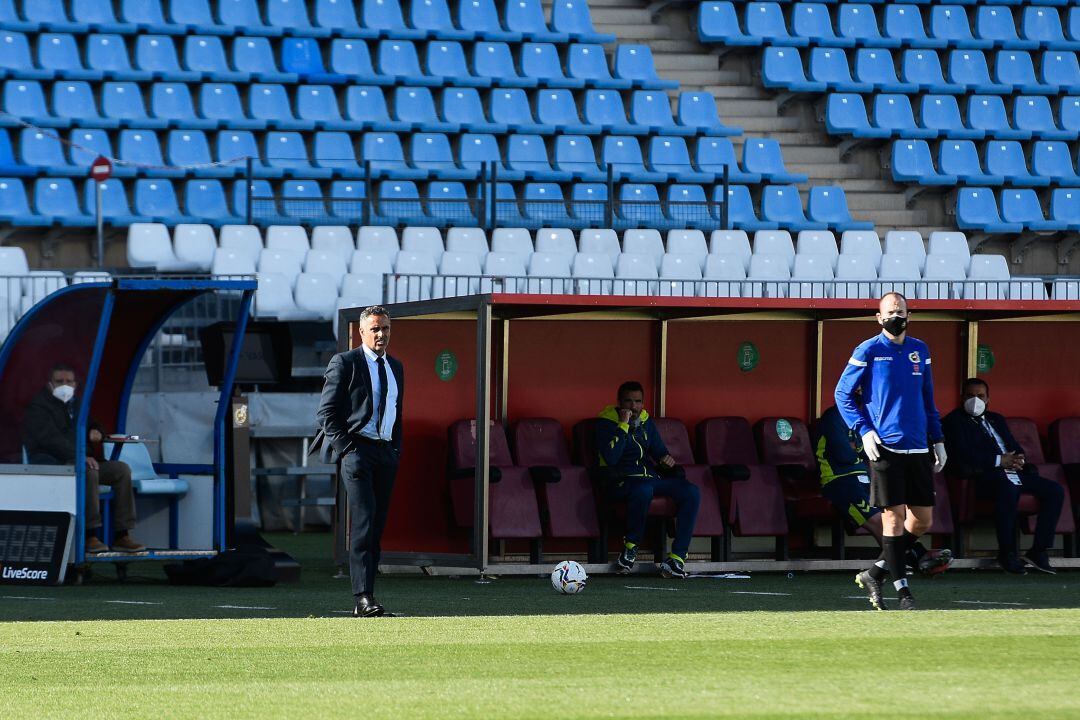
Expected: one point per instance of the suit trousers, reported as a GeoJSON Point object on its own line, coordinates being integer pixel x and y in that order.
{"type": "Point", "coordinates": [996, 486]}
{"type": "Point", "coordinates": [116, 475]}
{"type": "Point", "coordinates": [368, 473]}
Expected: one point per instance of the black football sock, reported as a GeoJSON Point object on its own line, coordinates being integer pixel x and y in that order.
{"type": "Point", "coordinates": [915, 549]}
{"type": "Point", "coordinates": [878, 571]}
{"type": "Point", "coordinates": [895, 548]}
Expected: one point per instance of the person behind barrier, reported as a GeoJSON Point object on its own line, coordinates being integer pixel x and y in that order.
{"type": "Point", "coordinates": [49, 438]}
{"type": "Point", "coordinates": [630, 445]}
{"type": "Point", "coordinates": [981, 446]}
{"type": "Point", "coordinates": [845, 481]}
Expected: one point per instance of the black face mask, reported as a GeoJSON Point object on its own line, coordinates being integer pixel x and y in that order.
{"type": "Point", "coordinates": [895, 325]}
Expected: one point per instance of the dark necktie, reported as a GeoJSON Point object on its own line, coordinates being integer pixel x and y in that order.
{"type": "Point", "coordinates": [382, 394]}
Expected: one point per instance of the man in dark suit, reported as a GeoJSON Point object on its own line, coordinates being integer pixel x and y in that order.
{"type": "Point", "coordinates": [360, 414]}
{"type": "Point", "coordinates": [980, 445]}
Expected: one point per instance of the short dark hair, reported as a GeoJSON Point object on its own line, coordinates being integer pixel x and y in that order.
{"type": "Point", "coordinates": [628, 387]}
{"type": "Point", "coordinates": [373, 310]}
{"type": "Point", "coordinates": [60, 367]}
{"type": "Point", "coordinates": [974, 381]}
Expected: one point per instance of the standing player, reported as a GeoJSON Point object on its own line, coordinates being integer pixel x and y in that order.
{"type": "Point", "coordinates": [897, 422]}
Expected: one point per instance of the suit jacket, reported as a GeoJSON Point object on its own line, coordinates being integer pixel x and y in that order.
{"type": "Point", "coordinates": [346, 404]}
{"type": "Point", "coordinates": [971, 449]}
{"type": "Point", "coordinates": [49, 430]}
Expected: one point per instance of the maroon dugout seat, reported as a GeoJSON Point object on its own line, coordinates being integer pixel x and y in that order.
{"type": "Point", "coordinates": [710, 519]}
{"type": "Point", "coordinates": [750, 493]}
{"type": "Point", "coordinates": [1027, 434]}
{"type": "Point", "coordinates": [512, 508]}
{"type": "Point", "coordinates": [1065, 447]}
{"type": "Point", "coordinates": [785, 444]}
{"type": "Point", "coordinates": [566, 494]}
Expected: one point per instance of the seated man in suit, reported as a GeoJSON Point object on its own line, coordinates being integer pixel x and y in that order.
{"type": "Point", "coordinates": [980, 446]}
{"type": "Point", "coordinates": [630, 444]}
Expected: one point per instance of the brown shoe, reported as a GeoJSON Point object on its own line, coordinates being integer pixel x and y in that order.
{"type": "Point", "coordinates": [124, 543]}
{"type": "Point", "coordinates": [95, 546]}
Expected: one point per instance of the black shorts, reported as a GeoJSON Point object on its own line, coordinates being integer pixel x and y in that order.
{"type": "Point", "coordinates": [850, 495]}
{"type": "Point", "coordinates": [902, 479]}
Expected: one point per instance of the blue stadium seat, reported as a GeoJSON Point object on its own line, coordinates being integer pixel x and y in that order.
{"type": "Point", "coordinates": [976, 209]}
{"type": "Point", "coordinates": [543, 205]}
{"type": "Point", "coordinates": [191, 148]}
{"type": "Point", "coordinates": [527, 154]}
{"type": "Point", "coordinates": [651, 109]}
{"type": "Point", "coordinates": [765, 23]}
{"type": "Point", "coordinates": [1033, 113]}
{"type": "Point", "coordinates": [50, 15]}
{"type": "Point", "coordinates": [385, 19]}
{"type": "Point", "coordinates": [114, 202]}
{"type": "Point", "coordinates": [588, 63]}
{"type": "Point", "coordinates": [477, 151]}
{"type": "Point", "coordinates": [828, 205]}
{"type": "Point", "coordinates": [334, 151]}
{"type": "Point", "coordinates": [352, 59]}
{"type": "Point", "coordinates": [589, 204]}
{"type": "Point", "coordinates": [1064, 207]}
{"type": "Point", "coordinates": [639, 206]}
{"type": "Point", "coordinates": [1006, 158]}
{"type": "Point", "coordinates": [893, 113]}
{"type": "Point", "coordinates": [556, 107]}
{"type": "Point", "coordinates": [87, 145]}
{"type": "Point", "coordinates": [205, 54]}
{"type": "Point", "coordinates": [141, 149]}
{"type": "Point", "coordinates": [812, 21]}
{"type": "Point", "coordinates": [997, 25]}
{"type": "Point", "coordinates": [922, 68]}
{"type": "Point", "coordinates": [317, 105]}
{"type": "Point", "coordinates": [697, 110]}
{"type": "Point", "coordinates": [510, 107]}
{"type": "Point", "coordinates": [845, 114]}
{"type": "Point", "coordinates": [156, 54]}
{"type": "Point", "coordinates": [762, 156]}
{"type": "Point", "coordinates": [605, 109]}
{"type": "Point", "coordinates": [1042, 25]}
{"type": "Point", "coordinates": [526, 17]}
{"type": "Point", "coordinates": [234, 146]}
{"type": "Point", "coordinates": [968, 69]}
{"type": "Point", "coordinates": [255, 57]}
{"type": "Point", "coordinates": [987, 113]}
{"type": "Point", "coordinates": [951, 24]}
{"type": "Point", "coordinates": [287, 151]}
{"type": "Point", "coordinates": [830, 66]}
{"type": "Point", "coordinates": [147, 16]}
{"type": "Point", "coordinates": [782, 67]}
{"type": "Point", "coordinates": [1052, 159]}
{"type": "Point", "coordinates": [9, 18]}
{"type": "Point", "coordinates": [905, 23]}
{"type": "Point", "coordinates": [572, 18]}
{"type": "Point", "coordinates": [124, 101]}
{"type": "Point", "coordinates": [714, 154]}
{"type": "Point", "coordinates": [741, 212]}
{"type": "Point", "coordinates": [446, 61]}
{"type": "Point", "coordinates": [365, 106]}
{"type": "Point", "coordinates": [57, 53]}
{"type": "Point", "coordinates": [494, 60]}
{"type": "Point", "coordinates": [15, 58]}
{"type": "Point", "coordinates": [348, 198]}
{"type": "Point", "coordinates": [635, 63]}
{"type": "Point", "coordinates": [302, 199]}
{"type": "Point", "coordinates": [874, 66]}
{"type": "Point", "coordinates": [858, 22]}
{"type": "Point", "coordinates": [911, 162]}
{"type": "Point", "coordinates": [74, 102]}
{"type": "Point", "coordinates": [194, 15]}
{"type": "Point", "coordinates": [541, 61]}
{"type": "Point", "coordinates": [41, 149]}
{"type": "Point", "coordinates": [263, 205]}
{"type": "Point", "coordinates": [686, 206]}
{"type": "Point", "coordinates": [1060, 69]}
{"type": "Point", "coordinates": [783, 205]}
{"type": "Point", "coordinates": [1068, 114]}
{"type": "Point", "coordinates": [55, 198]}
{"type": "Point", "coordinates": [24, 99]}
{"type": "Point", "coordinates": [718, 22]}
{"type": "Point", "coordinates": [293, 15]}
{"type": "Point", "coordinates": [480, 18]}
{"type": "Point", "coordinates": [205, 199]}
{"type": "Point", "coordinates": [670, 156]}
{"type": "Point", "coordinates": [448, 203]}
{"type": "Point", "coordinates": [941, 113]}
{"type": "Point", "coordinates": [270, 103]}
{"type": "Point", "coordinates": [960, 158]}
{"type": "Point", "coordinates": [172, 103]}
{"type": "Point", "coordinates": [303, 57]}
{"type": "Point", "coordinates": [1014, 67]}
{"type": "Point", "coordinates": [220, 104]}
{"type": "Point", "coordinates": [432, 153]}
{"type": "Point", "coordinates": [575, 154]}
{"type": "Point", "coordinates": [462, 106]}
{"type": "Point", "coordinates": [507, 210]}
{"type": "Point", "coordinates": [8, 164]}
{"type": "Point", "coordinates": [432, 17]}
{"type": "Point", "coordinates": [398, 59]}
{"type": "Point", "coordinates": [1023, 207]}
{"type": "Point", "coordinates": [387, 158]}
{"type": "Point", "coordinates": [398, 203]}
{"type": "Point", "coordinates": [15, 206]}
{"type": "Point", "coordinates": [623, 155]}
{"type": "Point", "coordinates": [415, 107]}
{"type": "Point", "coordinates": [339, 17]}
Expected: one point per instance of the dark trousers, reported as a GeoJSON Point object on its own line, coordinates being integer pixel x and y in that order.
{"type": "Point", "coordinates": [995, 485]}
{"type": "Point", "coordinates": [639, 492]}
{"type": "Point", "coordinates": [368, 473]}
{"type": "Point", "coordinates": [116, 475]}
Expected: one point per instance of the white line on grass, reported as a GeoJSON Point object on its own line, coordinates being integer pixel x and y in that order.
{"type": "Point", "coordinates": [132, 602]}
{"type": "Point", "coordinates": [986, 602]}
{"type": "Point", "coordinates": [244, 607]}
{"type": "Point", "coordinates": [646, 587]}
{"type": "Point", "coordinates": [748, 592]}
{"type": "Point", "coordinates": [26, 597]}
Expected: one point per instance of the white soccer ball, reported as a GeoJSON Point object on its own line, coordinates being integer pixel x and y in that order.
{"type": "Point", "coordinates": [568, 577]}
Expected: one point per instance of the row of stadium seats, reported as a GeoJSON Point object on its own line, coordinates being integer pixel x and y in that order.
{"type": "Point", "coordinates": [895, 25]}
{"type": "Point", "coordinates": [1013, 211]}
{"type": "Point", "coordinates": [875, 70]}
{"type": "Point", "coordinates": [107, 57]}
{"type": "Point", "coordinates": [365, 108]}
{"type": "Point", "coordinates": [475, 19]}
{"type": "Point", "coordinates": [1001, 162]}
{"type": "Point", "coordinates": [984, 116]}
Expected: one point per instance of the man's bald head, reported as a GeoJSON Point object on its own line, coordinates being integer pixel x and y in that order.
{"type": "Point", "coordinates": [891, 302]}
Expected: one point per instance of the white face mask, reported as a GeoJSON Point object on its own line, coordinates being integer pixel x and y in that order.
{"type": "Point", "coordinates": [975, 406]}
{"type": "Point", "coordinates": [63, 393]}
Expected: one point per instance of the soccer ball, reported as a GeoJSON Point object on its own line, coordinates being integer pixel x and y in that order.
{"type": "Point", "coordinates": [568, 577]}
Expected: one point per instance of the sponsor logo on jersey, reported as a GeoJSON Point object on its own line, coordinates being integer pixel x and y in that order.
{"type": "Point", "coordinates": [914, 356]}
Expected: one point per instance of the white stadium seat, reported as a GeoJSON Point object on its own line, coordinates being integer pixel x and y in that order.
{"type": "Point", "coordinates": [327, 262]}
{"type": "Point", "coordinates": [594, 274]}
{"type": "Point", "coordinates": [812, 276]}
{"type": "Point", "coordinates": [473, 240]}
{"type": "Point", "coordinates": [688, 242]}
{"type": "Point", "coordinates": [774, 267]}
{"type": "Point", "coordinates": [950, 243]}
{"type": "Point", "coordinates": [817, 242]}
{"type": "Point", "coordinates": [334, 238]}
{"type": "Point", "coordinates": [416, 271]}
{"type": "Point", "coordinates": [775, 242]}
{"type": "Point", "coordinates": [546, 273]}
{"type": "Point", "coordinates": [372, 261]}
{"type": "Point", "coordinates": [241, 238]}
{"type": "Point", "coordinates": [901, 272]}
{"type": "Point", "coordinates": [861, 242]}
{"type": "Point", "coordinates": [287, 237]}
{"type": "Point", "coordinates": [677, 273]}
{"type": "Point", "coordinates": [906, 242]}
{"type": "Point", "coordinates": [149, 246]}
{"type": "Point", "coordinates": [423, 240]}
{"type": "Point", "coordinates": [513, 240]}
{"type": "Point", "coordinates": [731, 242]}
{"type": "Point", "coordinates": [317, 293]}
{"type": "Point", "coordinates": [502, 272]}
{"type": "Point", "coordinates": [378, 237]}
{"type": "Point", "coordinates": [724, 275]}
{"type": "Point", "coordinates": [600, 241]}
{"type": "Point", "coordinates": [459, 274]}
{"type": "Point", "coordinates": [195, 244]}
{"type": "Point", "coordinates": [940, 269]}
{"type": "Point", "coordinates": [556, 240]}
{"type": "Point", "coordinates": [855, 276]}
{"type": "Point", "coordinates": [286, 262]}
{"type": "Point", "coordinates": [635, 274]}
{"type": "Point", "coordinates": [647, 242]}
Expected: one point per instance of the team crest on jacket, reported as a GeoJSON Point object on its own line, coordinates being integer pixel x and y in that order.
{"type": "Point", "coordinates": [914, 356]}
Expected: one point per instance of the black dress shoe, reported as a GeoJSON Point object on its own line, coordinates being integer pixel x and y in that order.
{"type": "Point", "coordinates": [1038, 560]}
{"type": "Point", "coordinates": [1011, 564]}
{"type": "Point", "coordinates": [367, 607]}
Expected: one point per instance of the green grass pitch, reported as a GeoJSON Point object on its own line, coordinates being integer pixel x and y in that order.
{"type": "Point", "coordinates": [986, 645]}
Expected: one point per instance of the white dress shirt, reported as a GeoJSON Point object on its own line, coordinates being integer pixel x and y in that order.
{"type": "Point", "coordinates": [1013, 477]}
{"type": "Point", "coordinates": [390, 416]}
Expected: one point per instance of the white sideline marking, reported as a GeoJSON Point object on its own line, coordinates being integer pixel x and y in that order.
{"type": "Point", "coordinates": [132, 602]}
{"type": "Point", "coordinates": [986, 602]}
{"type": "Point", "coordinates": [244, 607]}
{"type": "Point", "coordinates": [646, 587]}
{"type": "Point", "coordinates": [26, 597]}
{"type": "Point", "coordinates": [721, 576]}
{"type": "Point", "coordinates": [749, 592]}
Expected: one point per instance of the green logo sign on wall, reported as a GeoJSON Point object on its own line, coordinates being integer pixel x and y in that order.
{"type": "Point", "coordinates": [748, 357]}
{"type": "Point", "coordinates": [984, 359]}
{"type": "Point", "coordinates": [783, 429]}
{"type": "Point", "coordinates": [446, 365]}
